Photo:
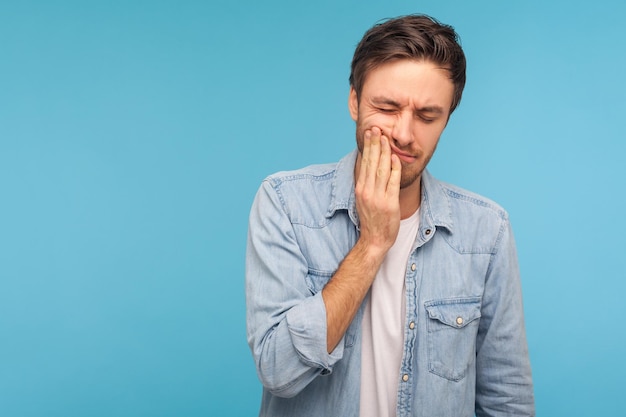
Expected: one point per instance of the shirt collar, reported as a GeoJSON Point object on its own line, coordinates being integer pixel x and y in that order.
{"type": "Point", "coordinates": [435, 206]}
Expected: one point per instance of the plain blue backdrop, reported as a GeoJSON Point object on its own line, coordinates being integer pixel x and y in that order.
{"type": "Point", "coordinates": [134, 134]}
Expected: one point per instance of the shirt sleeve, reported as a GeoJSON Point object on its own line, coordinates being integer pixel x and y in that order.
{"type": "Point", "coordinates": [286, 322]}
{"type": "Point", "coordinates": [503, 374]}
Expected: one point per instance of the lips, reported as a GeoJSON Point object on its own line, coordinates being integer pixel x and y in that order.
{"type": "Point", "coordinates": [404, 157]}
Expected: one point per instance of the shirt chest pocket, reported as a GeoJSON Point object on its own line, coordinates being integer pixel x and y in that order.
{"type": "Point", "coordinates": [452, 328]}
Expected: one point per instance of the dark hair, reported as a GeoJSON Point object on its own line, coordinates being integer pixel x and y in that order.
{"type": "Point", "coordinates": [416, 37]}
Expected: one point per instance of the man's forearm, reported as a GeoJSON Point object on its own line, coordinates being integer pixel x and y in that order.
{"type": "Point", "coordinates": [346, 290]}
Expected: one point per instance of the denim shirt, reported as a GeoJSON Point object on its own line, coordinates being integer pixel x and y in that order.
{"type": "Point", "coordinates": [465, 349]}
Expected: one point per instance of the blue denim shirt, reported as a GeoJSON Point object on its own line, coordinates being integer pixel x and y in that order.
{"type": "Point", "coordinates": [465, 349]}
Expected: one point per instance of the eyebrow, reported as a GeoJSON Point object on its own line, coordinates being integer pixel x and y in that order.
{"type": "Point", "coordinates": [385, 100]}
{"type": "Point", "coordinates": [390, 102]}
{"type": "Point", "coordinates": [430, 109]}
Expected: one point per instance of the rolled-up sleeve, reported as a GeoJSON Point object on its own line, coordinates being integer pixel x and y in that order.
{"type": "Point", "coordinates": [286, 322]}
{"type": "Point", "coordinates": [503, 375]}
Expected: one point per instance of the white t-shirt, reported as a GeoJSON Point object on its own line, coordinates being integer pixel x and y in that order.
{"type": "Point", "coordinates": [383, 327]}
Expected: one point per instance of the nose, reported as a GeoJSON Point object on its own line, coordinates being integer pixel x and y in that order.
{"type": "Point", "coordinates": [402, 130]}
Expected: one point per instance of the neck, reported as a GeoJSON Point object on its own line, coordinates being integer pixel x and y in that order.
{"type": "Point", "coordinates": [410, 198]}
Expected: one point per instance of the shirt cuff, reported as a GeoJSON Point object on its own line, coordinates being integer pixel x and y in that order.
{"type": "Point", "coordinates": [307, 326]}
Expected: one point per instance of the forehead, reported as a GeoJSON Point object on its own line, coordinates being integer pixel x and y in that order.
{"type": "Point", "coordinates": [418, 82]}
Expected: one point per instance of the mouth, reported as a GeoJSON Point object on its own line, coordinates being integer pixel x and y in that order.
{"type": "Point", "coordinates": [404, 157]}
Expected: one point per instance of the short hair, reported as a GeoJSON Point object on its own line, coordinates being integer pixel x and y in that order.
{"type": "Point", "coordinates": [416, 37]}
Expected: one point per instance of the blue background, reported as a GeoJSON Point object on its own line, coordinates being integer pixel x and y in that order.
{"type": "Point", "coordinates": [133, 136]}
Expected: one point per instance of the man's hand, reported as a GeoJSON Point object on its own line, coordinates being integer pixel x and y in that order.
{"type": "Point", "coordinates": [377, 192]}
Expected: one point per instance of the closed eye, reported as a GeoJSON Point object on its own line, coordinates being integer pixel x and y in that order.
{"type": "Point", "coordinates": [428, 114]}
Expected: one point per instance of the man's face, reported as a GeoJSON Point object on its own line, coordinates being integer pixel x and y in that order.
{"type": "Point", "coordinates": [409, 101]}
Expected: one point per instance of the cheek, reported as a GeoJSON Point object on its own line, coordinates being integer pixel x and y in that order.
{"type": "Point", "coordinates": [431, 137]}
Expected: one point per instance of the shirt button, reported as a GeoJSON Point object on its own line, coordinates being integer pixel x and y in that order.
{"type": "Point", "coordinates": [459, 320]}
{"type": "Point", "coordinates": [413, 267]}
{"type": "Point", "coordinates": [405, 377]}
{"type": "Point", "coordinates": [412, 325]}
{"type": "Point", "coordinates": [427, 232]}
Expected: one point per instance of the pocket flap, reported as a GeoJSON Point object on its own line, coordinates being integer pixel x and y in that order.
{"type": "Point", "coordinates": [454, 312]}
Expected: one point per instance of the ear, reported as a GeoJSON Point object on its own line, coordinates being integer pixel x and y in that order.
{"type": "Point", "coordinates": [353, 104]}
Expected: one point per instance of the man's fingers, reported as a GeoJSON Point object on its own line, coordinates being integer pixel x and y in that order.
{"type": "Point", "coordinates": [365, 159]}
{"type": "Point", "coordinates": [380, 169]}
{"type": "Point", "coordinates": [393, 185]}
{"type": "Point", "coordinates": [371, 166]}
{"type": "Point", "coordinates": [384, 165]}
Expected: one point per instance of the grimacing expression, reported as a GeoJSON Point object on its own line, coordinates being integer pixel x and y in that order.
{"type": "Point", "coordinates": [410, 102]}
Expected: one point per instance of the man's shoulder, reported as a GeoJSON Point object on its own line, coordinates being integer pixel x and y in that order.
{"type": "Point", "coordinates": [467, 212]}
{"type": "Point", "coordinates": [471, 200]}
{"type": "Point", "coordinates": [310, 173]}
{"type": "Point", "coordinates": [305, 195]}
{"type": "Point", "coordinates": [475, 222]}
{"type": "Point", "coordinates": [312, 194]}
{"type": "Point", "coordinates": [339, 175]}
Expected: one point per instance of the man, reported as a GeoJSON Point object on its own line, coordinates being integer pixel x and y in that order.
{"type": "Point", "coordinates": [374, 289]}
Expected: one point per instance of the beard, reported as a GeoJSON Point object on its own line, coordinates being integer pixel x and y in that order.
{"type": "Point", "coordinates": [410, 175]}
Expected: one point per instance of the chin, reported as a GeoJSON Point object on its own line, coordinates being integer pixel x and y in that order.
{"type": "Point", "coordinates": [406, 182]}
